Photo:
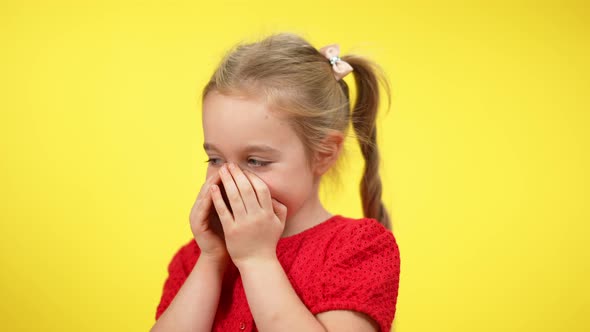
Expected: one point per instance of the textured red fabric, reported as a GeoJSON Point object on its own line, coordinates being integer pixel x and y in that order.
{"type": "Point", "coordinates": [340, 264]}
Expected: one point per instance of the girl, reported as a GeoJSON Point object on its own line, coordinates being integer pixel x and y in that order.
{"type": "Point", "coordinates": [266, 255]}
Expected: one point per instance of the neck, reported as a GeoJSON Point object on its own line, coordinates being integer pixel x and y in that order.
{"type": "Point", "coordinates": [310, 214]}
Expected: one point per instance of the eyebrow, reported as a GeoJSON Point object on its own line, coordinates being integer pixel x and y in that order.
{"type": "Point", "coordinates": [248, 148]}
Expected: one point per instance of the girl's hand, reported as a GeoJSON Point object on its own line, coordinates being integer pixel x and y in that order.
{"type": "Point", "coordinates": [255, 224]}
{"type": "Point", "coordinates": [206, 226]}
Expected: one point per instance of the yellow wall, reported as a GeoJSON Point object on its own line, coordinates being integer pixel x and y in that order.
{"type": "Point", "coordinates": [485, 153]}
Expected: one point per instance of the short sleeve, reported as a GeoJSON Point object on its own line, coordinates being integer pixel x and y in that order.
{"type": "Point", "coordinates": [177, 274]}
{"type": "Point", "coordinates": [361, 273]}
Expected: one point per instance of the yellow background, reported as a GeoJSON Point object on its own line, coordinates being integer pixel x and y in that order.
{"type": "Point", "coordinates": [485, 153]}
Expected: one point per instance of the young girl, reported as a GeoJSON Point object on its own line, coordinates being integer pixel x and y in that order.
{"type": "Point", "coordinates": [266, 255]}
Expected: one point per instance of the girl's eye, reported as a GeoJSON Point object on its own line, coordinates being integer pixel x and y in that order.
{"type": "Point", "coordinates": [212, 161]}
{"type": "Point", "coordinates": [253, 162]}
{"type": "Point", "coordinates": [258, 163]}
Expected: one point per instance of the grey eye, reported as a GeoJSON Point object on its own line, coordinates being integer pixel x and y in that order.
{"type": "Point", "coordinates": [258, 163]}
{"type": "Point", "coordinates": [213, 161]}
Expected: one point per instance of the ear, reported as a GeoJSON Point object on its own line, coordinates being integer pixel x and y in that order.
{"type": "Point", "coordinates": [325, 159]}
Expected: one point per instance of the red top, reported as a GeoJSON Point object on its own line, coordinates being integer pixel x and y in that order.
{"type": "Point", "coordinates": [342, 263]}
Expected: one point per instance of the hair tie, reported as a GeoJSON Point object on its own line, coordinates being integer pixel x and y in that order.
{"type": "Point", "coordinates": [340, 67]}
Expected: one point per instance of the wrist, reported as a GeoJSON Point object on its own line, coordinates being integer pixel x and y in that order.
{"type": "Point", "coordinates": [247, 264]}
{"type": "Point", "coordinates": [217, 262]}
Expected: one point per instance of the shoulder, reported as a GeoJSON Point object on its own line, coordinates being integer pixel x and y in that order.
{"type": "Point", "coordinates": [363, 235]}
{"type": "Point", "coordinates": [360, 272]}
{"type": "Point", "coordinates": [360, 250]}
{"type": "Point", "coordinates": [366, 225]}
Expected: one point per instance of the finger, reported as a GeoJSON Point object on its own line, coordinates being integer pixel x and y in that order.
{"type": "Point", "coordinates": [206, 206]}
{"type": "Point", "coordinates": [199, 215]}
{"type": "Point", "coordinates": [245, 188]}
{"type": "Point", "coordinates": [233, 194]}
{"type": "Point", "coordinates": [198, 218]}
{"type": "Point", "coordinates": [280, 210]}
{"type": "Point", "coordinates": [203, 192]}
{"type": "Point", "coordinates": [261, 189]}
{"type": "Point", "coordinates": [224, 215]}
{"type": "Point", "coordinates": [214, 178]}
{"type": "Point", "coordinates": [200, 199]}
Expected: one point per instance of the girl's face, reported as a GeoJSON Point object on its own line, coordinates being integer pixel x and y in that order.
{"type": "Point", "coordinates": [243, 131]}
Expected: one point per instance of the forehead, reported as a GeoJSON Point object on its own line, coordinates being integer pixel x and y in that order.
{"type": "Point", "coordinates": [238, 121]}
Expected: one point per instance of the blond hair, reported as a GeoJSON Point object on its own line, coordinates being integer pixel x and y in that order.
{"type": "Point", "coordinates": [294, 78]}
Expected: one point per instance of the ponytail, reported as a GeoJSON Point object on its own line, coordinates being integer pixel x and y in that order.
{"type": "Point", "coordinates": [364, 116]}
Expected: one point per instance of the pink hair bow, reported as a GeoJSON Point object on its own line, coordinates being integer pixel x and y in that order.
{"type": "Point", "coordinates": [341, 68]}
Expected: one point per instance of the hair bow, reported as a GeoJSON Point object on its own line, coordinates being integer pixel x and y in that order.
{"type": "Point", "coordinates": [341, 68]}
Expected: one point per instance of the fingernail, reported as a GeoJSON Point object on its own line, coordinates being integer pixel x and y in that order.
{"type": "Point", "coordinates": [223, 169]}
{"type": "Point", "coordinates": [231, 166]}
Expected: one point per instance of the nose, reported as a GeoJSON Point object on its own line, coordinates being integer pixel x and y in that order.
{"type": "Point", "coordinates": [235, 163]}
{"type": "Point", "coordinates": [226, 164]}
{"type": "Point", "coordinates": [239, 163]}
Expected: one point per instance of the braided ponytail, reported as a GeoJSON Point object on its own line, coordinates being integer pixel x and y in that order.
{"type": "Point", "coordinates": [364, 116]}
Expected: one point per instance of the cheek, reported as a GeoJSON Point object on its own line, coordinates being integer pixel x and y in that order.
{"type": "Point", "coordinates": [287, 192]}
{"type": "Point", "coordinates": [269, 181]}
{"type": "Point", "coordinates": [275, 186]}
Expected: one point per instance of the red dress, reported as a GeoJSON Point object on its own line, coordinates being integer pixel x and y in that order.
{"type": "Point", "coordinates": [340, 264]}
